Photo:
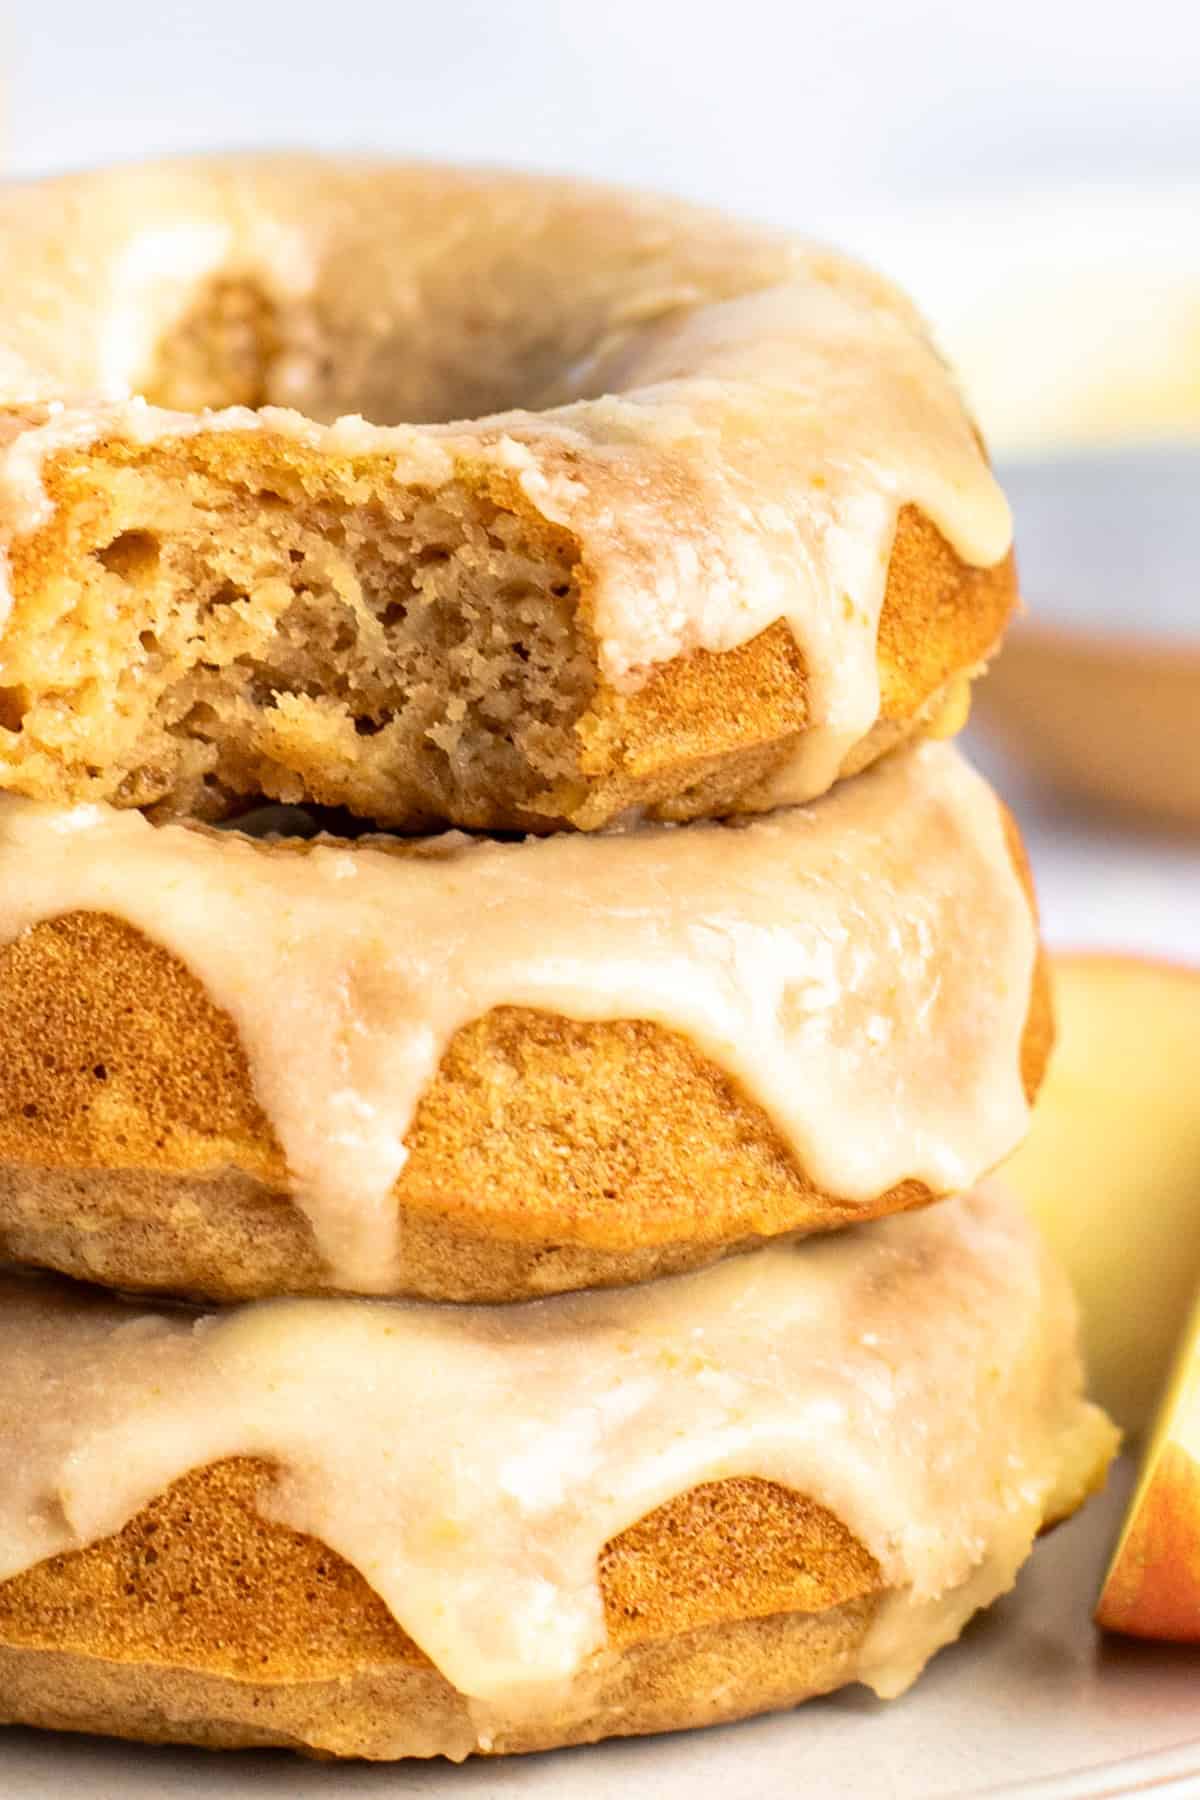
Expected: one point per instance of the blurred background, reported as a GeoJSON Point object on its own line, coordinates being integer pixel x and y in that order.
{"type": "Point", "coordinates": [807, 114]}
{"type": "Point", "coordinates": [1030, 171]}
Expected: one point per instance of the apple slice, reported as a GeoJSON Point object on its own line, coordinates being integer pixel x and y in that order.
{"type": "Point", "coordinates": [1111, 1167]}
{"type": "Point", "coordinates": [1152, 1589]}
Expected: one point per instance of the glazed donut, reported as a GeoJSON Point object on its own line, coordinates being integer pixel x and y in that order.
{"type": "Point", "coordinates": [722, 1493]}
{"type": "Point", "coordinates": [480, 1071]}
{"type": "Point", "coordinates": [721, 529]}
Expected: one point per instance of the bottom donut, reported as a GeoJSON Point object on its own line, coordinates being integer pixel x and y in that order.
{"type": "Point", "coordinates": [383, 1529]}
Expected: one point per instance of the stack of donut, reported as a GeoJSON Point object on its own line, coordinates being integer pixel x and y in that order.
{"type": "Point", "coordinates": [496, 961]}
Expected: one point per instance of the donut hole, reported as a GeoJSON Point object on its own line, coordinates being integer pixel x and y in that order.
{"type": "Point", "coordinates": [233, 345]}
{"type": "Point", "coordinates": [219, 352]}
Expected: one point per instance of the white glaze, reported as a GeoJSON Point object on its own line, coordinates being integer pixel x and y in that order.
{"type": "Point", "coordinates": [862, 968]}
{"type": "Point", "coordinates": [919, 1379]}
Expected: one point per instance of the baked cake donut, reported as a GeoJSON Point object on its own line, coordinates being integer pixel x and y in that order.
{"type": "Point", "coordinates": [385, 1529]}
{"type": "Point", "coordinates": [719, 531]}
{"type": "Point", "coordinates": [476, 1071]}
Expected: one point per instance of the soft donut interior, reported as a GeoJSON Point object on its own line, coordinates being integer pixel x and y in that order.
{"type": "Point", "coordinates": [250, 620]}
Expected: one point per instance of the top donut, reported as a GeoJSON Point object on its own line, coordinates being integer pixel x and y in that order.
{"type": "Point", "coordinates": [709, 526]}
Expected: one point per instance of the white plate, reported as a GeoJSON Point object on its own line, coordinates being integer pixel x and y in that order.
{"type": "Point", "coordinates": [1031, 1702]}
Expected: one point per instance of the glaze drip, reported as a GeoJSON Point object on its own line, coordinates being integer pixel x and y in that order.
{"type": "Point", "coordinates": [862, 968]}
{"type": "Point", "coordinates": [920, 1380]}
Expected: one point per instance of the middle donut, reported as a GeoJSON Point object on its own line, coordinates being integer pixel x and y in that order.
{"type": "Point", "coordinates": [471, 1070]}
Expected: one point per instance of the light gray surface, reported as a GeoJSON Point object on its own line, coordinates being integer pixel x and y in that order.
{"type": "Point", "coordinates": [1107, 540]}
{"type": "Point", "coordinates": [1030, 1701]}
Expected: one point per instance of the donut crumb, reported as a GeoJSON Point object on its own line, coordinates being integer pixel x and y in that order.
{"type": "Point", "coordinates": [247, 620]}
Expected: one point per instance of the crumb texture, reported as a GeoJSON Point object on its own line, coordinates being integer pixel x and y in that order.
{"type": "Point", "coordinates": [268, 626]}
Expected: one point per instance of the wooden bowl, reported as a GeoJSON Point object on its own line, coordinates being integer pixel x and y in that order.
{"type": "Point", "coordinates": [1097, 691]}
